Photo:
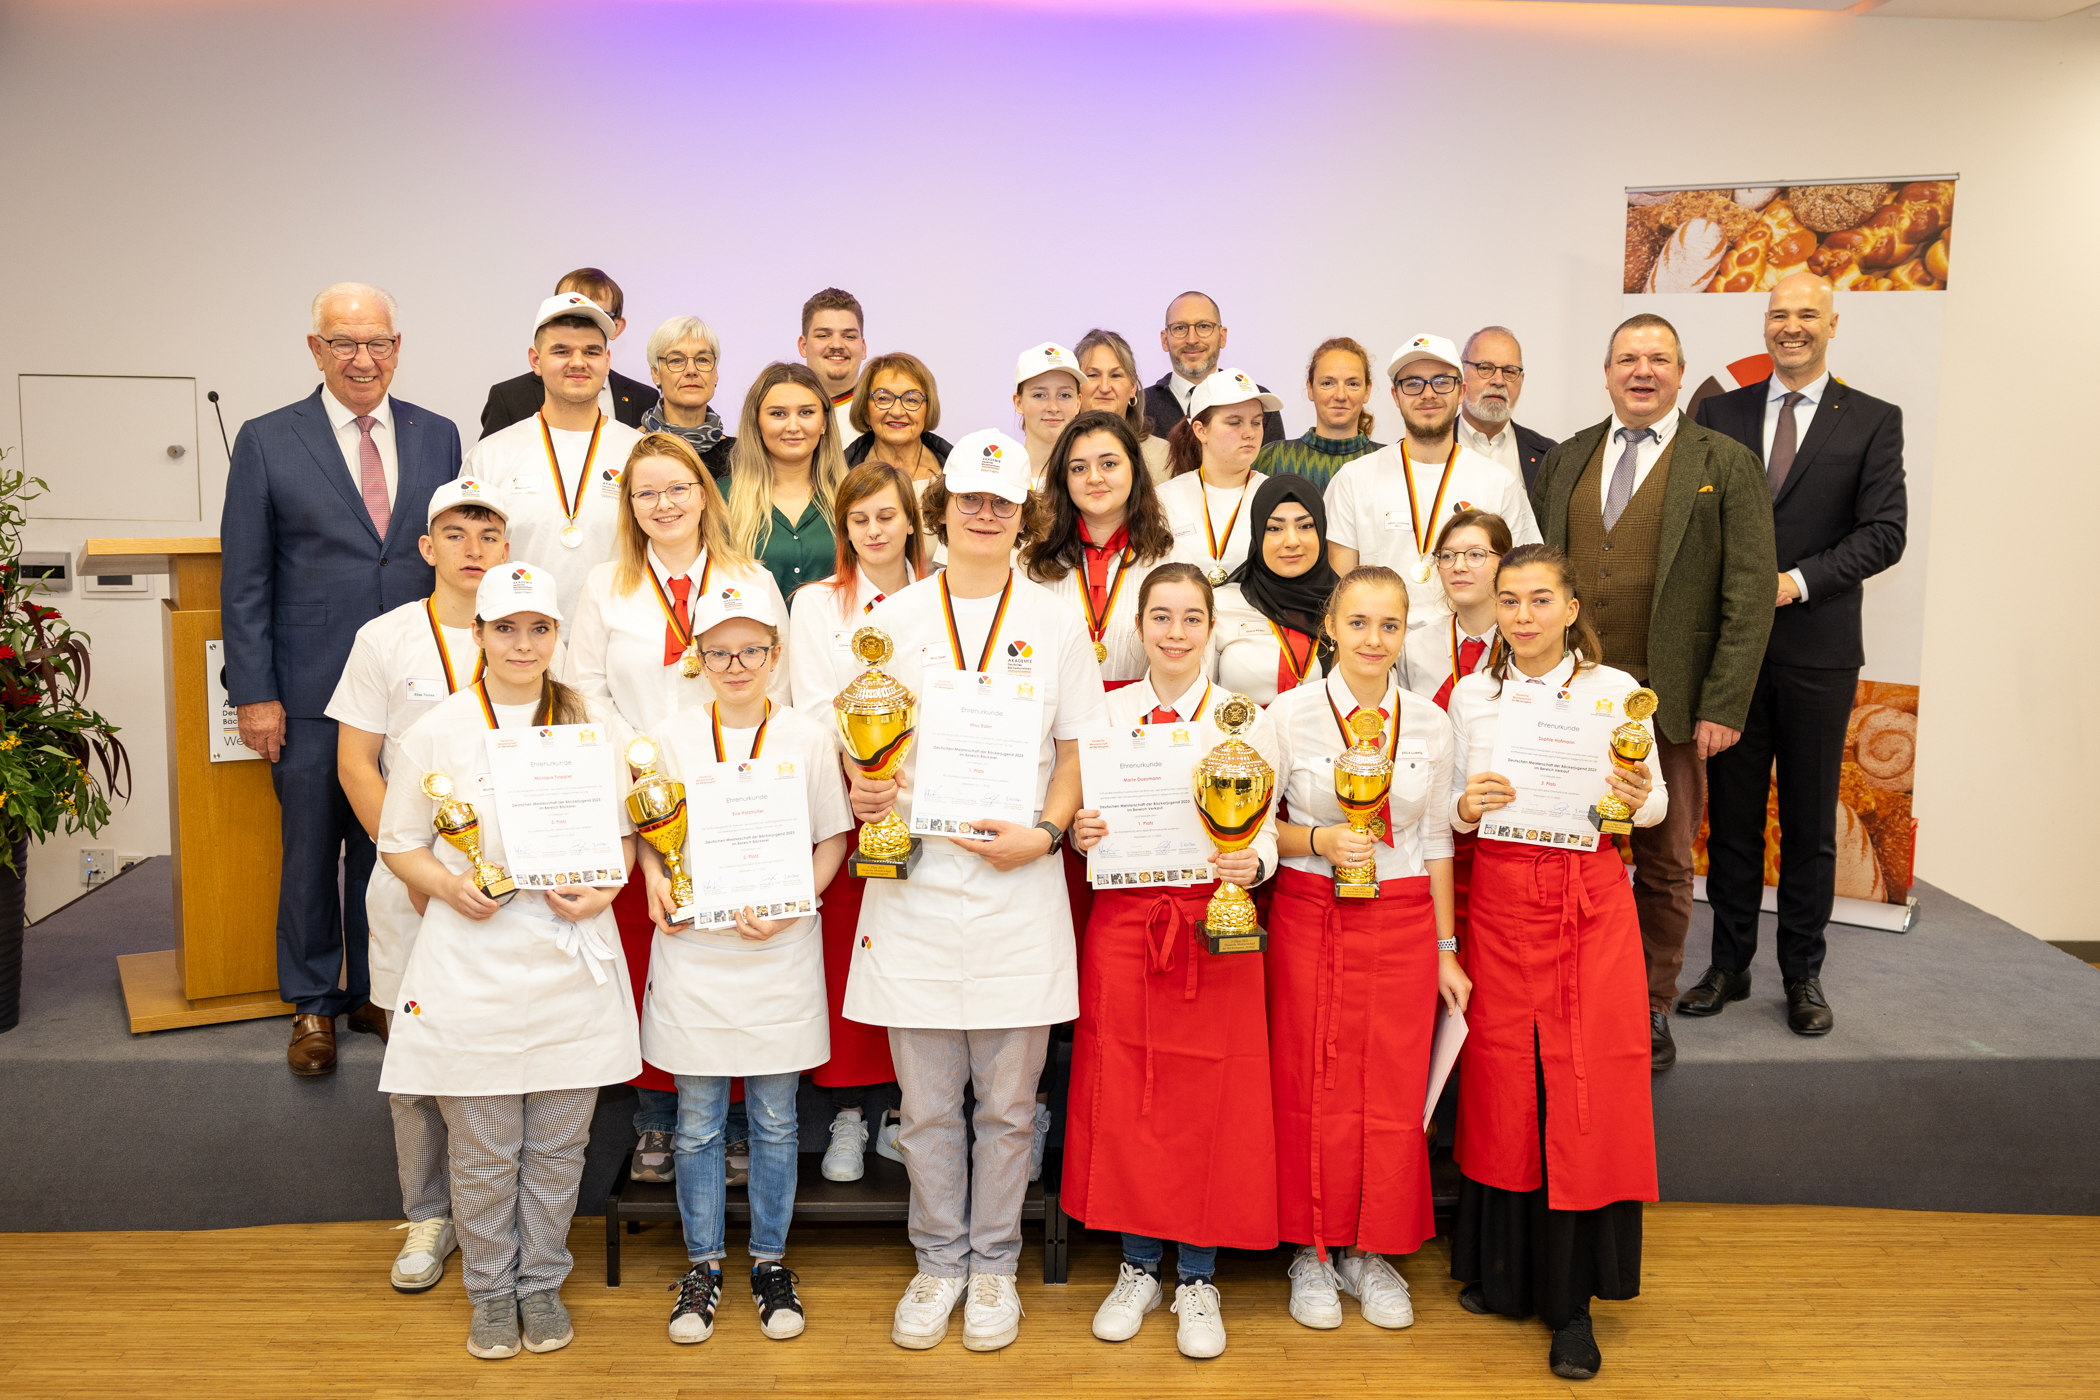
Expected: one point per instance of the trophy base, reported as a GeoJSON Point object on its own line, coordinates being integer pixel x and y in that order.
{"type": "Point", "coordinates": [1229, 939]}
{"type": "Point", "coordinates": [1611, 826]}
{"type": "Point", "coordinates": [499, 890]}
{"type": "Point", "coordinates": [1355, 889]}
{"type": "Point", "coordinates": [681, 917]}
{"type": "Point", "coordinates": [869, 867]}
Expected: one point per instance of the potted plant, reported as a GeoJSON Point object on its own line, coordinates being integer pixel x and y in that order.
{"type": "Point", "coordinates": [61, 763]}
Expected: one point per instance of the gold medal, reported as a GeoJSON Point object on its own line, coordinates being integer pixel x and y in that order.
{"type": "Point", "coordinates": [1216, 576]}
{"type": "Point", "coordinates": [1423, 570]}
{"type": "Point", "coordinates": [571, 535]}
{"type": "Point", "coordinates": [1378, 828]}
{"type": "Point", "coordinates": [1101, 651]}
{"type": "Point", "coordinates": [689, 664]}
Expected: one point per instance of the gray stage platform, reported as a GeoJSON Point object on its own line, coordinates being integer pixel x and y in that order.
{"type": "Point", "coordinates": [1964, 1075]}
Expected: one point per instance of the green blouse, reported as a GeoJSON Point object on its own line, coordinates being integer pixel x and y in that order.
{"type": "Point", "coordinates": [1313, 456]}
{"type": "Point", "coordinates": [799, 552]}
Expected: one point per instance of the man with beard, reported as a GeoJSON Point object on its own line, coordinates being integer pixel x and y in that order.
{"type": "Point", "coordinates": [1494, 380]}
{"type": "Point", "coordinates": [1386, 508]}
{"type": "Point", "coordinates": [834, 347]}
{"type": "Point", "coordinates": [1193, 337]}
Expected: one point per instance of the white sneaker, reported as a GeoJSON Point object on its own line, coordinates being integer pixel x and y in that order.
{"type": "Point", "coordinates": [992, 1316]}
{"type": "Point", "coordinates": [886, 1136]}
{"type": "Point", "coordinates": [1378, 1287]}
{"type": "Point", "coordinates": [849, 1139]}
{"type": "Point", "coordinates": [421, 1262]}
{"type": "Point", "coordinates": [1042, 1140]}
{"type": "Point", "coordinates": [922, 1313]}
{"type": "Point", "coordinates": [1201, 1334]}
{"type": "Point", "coordinates": [1123, 1311]}
{"type": "Point", "coordinates": [1315, 1299]}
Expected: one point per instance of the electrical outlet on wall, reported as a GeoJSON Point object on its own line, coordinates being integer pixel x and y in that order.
{"type": "Point", "coordinates": [97, 864]}
{"type": "Point", "coordinates": [127, 859]}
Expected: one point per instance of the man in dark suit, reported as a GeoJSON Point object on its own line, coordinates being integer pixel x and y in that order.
{"type": "Point", "coordinates": [1669, 527]}
{"type": "Point", "coordinates": [1493, 366]}
{"type": "Point", "coordinates": [515, 400]}
{"type": "Point", "coordinates": [324, 509]}
{"type": "Point", "coordinates": [1193, 337]}
{"type": "Point", "coordinates": [1834, 460]}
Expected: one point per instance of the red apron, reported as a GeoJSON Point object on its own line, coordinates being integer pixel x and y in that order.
{"type": "Point", "coordinates": [1462, 844]}
{"type": "Point", "coordinates": [1079, 893]}
{"type": "Point", "coordinates": [859, 1054]}
{"type": "Point", "coordinates": [1169, 1132]}
{"type": "Point", "coordinates": [1556, 946]}
{"type": "Point", "coordinates": [1352, 1005]}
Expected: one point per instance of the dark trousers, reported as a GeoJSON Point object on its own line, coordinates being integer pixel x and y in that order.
{"type": "Point", "coordinates": [1662, 875]}
{"type": "Point", "coordinates": [321, 893]}
{"type": "Point", "coordinates": [1798, 716]}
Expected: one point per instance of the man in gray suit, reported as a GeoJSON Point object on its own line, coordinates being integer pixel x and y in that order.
{"type": "Point", "coordinates": [324, 506]}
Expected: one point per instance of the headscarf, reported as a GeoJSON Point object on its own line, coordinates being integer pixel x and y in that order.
{"type": "Point", "coordinates": [1298, 603]}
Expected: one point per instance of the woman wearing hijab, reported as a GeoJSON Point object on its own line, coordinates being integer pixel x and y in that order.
{"type": "Point", "coordinates": [1267, 640]}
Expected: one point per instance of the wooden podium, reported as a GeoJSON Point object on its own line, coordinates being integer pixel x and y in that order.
{"type": "Point", "coordinates": [222, 819]}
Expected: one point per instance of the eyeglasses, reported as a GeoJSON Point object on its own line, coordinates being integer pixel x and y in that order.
{"type": "Point", "coordinates": [974, 502]}
{"type": "Point", "coordinates": [676, 495]}
{"type": "Point", "coordinates": [910, 398]}
{"type": "Point", "coordinates": [1180, 329]}
{"type": "Point", "coordinates": [1471, 558]}
{"type": "Point", "coordinates": [1415, 384]}
{"type": "Point", "coordinates": [747, 657]}
{"type": "Point", "coordinates": [677, 363]}
{"type": "Point", "coordinates": [381, 346]}
{"type": "Point", "coordinates": [1487, 369]}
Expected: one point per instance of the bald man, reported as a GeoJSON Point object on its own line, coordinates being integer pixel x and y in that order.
{"type": "Point", "coordinates": [1834, 458]}
{"type": "Point", "coordinates": [1194, 338]}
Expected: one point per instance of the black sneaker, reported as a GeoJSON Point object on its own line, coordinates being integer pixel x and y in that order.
{"type": "Point", "coordinates": [699, 1294]}
{"type": "Point", "coordinates": [779, 1309]}
{"type": "Point", "coordinates": [1574, 1355]}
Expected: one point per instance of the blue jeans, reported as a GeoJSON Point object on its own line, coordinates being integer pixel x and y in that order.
{"type": "Point", "coordinates": [703, 1108]}
{"type": "Point", "coordinates": [1193, 1261]}
{"type": "Point", "coordinates": [658, 1112]}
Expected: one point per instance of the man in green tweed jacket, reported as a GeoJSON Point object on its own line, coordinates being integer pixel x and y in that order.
{"type": "Point", "coordinates": [1669, 527]}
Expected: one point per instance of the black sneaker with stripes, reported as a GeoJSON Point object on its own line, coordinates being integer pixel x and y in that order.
{"type": "Point", "coordinates": [779, 1309]}
{"type": "Point", "coordinates": [699, 1294]}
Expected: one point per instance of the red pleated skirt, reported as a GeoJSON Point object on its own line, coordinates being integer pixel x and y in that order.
{"type": "Point", "coordinates": [1554, 949]}
{"type": "Point", "coordinates": [859, 1054]}
{"type": "Point", "coordinates": [1169, 1131]}
{"type": "Point", "coordinates": [1352, 1007]}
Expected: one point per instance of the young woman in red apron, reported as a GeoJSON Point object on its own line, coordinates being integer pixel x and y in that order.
{"type": "Point", "coordinates": [1556, 1138]}
{"type": "Point", "coordinates": [1354, 983]}
{"type": "Point", "coordinates": [1170, 1135]}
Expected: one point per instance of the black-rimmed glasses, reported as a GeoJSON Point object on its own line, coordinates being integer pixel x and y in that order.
{"type": "Point", "coordinates": [1415, 384]}
{"type": "Point", "coordinates": [1487, 369]}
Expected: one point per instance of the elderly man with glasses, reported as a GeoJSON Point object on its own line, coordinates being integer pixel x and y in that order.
{"type": "Point", "coordinates": [1193, 337]}
{"type": "Point", "coordinates": [325, 505]}
{"type": "Point", "coordinates": [1494, 381]}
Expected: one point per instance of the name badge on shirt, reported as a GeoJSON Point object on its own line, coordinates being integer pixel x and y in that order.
{"type": "Point", "coordinates": [524, 484]}
{"type": "Point", "coordinates": [934, 657]}
{"type": "Point", "coordinates": [609, 484]}
{"type": "Point", "coordinates": [1184, 530]}
{"type": "Point", "coordinates": [1394, 520]}
{"type": "Point", "coordinates": [1415, 751]}
{"type": "Point", "coordinates": [842, 642]}
{"type": "Point", "coordinates": [425, 691]}
{"type": "Point", "coordinates": [485, 785]}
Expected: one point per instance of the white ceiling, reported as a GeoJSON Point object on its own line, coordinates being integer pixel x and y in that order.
{"type": "Point", "coordinates": [1904, 9]}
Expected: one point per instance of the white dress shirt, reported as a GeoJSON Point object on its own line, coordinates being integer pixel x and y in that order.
{"type": "Point", "coordinates": [1501, 449]}
{"type": "Point", "coordinates": [1804, 414]}
{"type": "Point", "coordinates": [343, 421]}
{"type": "Point", "coordinates": [1651, 451]}
{"type": "Point", "coordinates": [1310, 740]}
{"type": "Point", "coordinates": [1476, 713]}
{"type": "Point", "coordinates": [1181, 389]}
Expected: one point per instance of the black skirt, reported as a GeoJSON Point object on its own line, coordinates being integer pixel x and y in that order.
{"type": "Point", "coordinates": [1529, 1258]}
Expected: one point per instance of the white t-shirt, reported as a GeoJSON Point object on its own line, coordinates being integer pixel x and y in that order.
{"type": "Point", "coordinates": [1246, 654]}
{"type": "Point", "coordinates": [1370, 510]}
{"type": "Point", "coordinates": [515, 460]}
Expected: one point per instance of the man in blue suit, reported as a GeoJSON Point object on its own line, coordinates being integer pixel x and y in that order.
{"type": "Point", "coordinates": [324, 505]}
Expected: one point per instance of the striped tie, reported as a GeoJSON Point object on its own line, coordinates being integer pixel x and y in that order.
{"type": "Point", "coordinates": [371, 475]}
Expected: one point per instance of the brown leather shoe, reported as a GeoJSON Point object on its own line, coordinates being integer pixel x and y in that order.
{"type": "Point", "coordinates": [369, 1020]}
{"type": "Point", "coordinates": [313, 1045]}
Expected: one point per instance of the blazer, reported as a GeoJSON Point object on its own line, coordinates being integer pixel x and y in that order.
{"type": "Point", "coordinates": [1714, 582]}
{"type": "Point", "coordinates": [1165, 410]}
{"type": "Point", "coordinates": [301, 566]}
{"type": "Point", "coordinates": [1840, 516]}
{"type": "Point", "coordinates": [1531, 450]}
{"type": "Point", "coordinates": [515, 400]}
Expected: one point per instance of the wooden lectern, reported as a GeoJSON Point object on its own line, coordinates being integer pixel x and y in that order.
{"type": "Point", "coordinates": [222, 819]}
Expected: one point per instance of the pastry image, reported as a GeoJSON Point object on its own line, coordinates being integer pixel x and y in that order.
{"type": "Point", "coordinates": [1834, 208]}
{"type": "Point", "coordinates": [1867, 237]}
{"type": "Point", "coordinates": [1688, 259]}
{"type": "Point", "coordinates": [1757, 197]}
{"type": "Point", "coordinates": [1644, 239]}
{"type": "Point", "coordinates": [1858, 868]}
{"type": "Point", "coordinates": [1884, 745]}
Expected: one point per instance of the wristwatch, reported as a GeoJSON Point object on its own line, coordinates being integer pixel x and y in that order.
{"type": "Point", "coordinates": [1447, 945]}
{"type": "Point", "coordinates": [1057, 835]}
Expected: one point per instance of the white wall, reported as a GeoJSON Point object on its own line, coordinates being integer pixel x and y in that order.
{"type": "Point", "coordinates": [182, 178]}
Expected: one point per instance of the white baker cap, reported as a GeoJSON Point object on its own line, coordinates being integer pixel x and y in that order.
{"type": "Point", "coordinates": [988, 460]}
{"type": "Point", "coordinates": [1041, 359]}
{"type": "Point", "coordinates": [1230, 386]}
{"type": "Point", "coordinates": [516, 587]}
{"type": "Point", "coordinates": [1422, 347]}
{"type": "Point", "coordinates": [573, 304]}
{"type": "Point", "coordinates": [465, 491]}
{"type": "Point", "coordinates": [733, 599]}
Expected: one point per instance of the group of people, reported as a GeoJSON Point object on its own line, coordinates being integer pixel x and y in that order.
{"type": "Point", "coordinates": [608, 558]}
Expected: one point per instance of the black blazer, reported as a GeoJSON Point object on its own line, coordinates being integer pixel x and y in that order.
{"type": "Point", "coordinates": [1839, 518]}
{"type": "Point", "coordinates": [1165, 411]}
{"type": "Point", "coordinates": [1531, 450]}
{"type": "Point", "coordinates": [515, 400]}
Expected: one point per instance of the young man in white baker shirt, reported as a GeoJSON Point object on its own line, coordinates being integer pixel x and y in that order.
{"type": "Point", "coordinates": [1386, 508]}
{"type": "Point", "coordinates": [559, 470]}
{"type": "Point", "coordinates": [403, 662]}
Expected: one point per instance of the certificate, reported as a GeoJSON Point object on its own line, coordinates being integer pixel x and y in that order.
{"type": "Point", "coordinates": [558, 805]}
{"type": "Point", "coordinates": [980, 749]}
{"type": "Point", "coordinates": [748, 842]}
{"type": "Point", "coordinates": [1141, 780]}
{"type": "Point", "coordinates": [1554, 746]}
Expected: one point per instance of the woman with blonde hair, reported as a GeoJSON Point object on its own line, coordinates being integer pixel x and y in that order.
{"type": "Point", "coordinates": [1338, 381]}
{"type": "Point", "coordinates": [1113, 386]}
{"type": "Point", "coordinates": [783, 474]}
{"type": "Point", "coordinates": [895, 409]}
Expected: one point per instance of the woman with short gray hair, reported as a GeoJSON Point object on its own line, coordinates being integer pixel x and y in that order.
{"type": "Point", "coordinates": [685, 361]}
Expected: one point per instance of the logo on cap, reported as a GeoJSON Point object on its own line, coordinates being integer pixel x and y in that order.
{"type": "Point", "coordinates": [468, 486]}
{"type": "Point", "coordinates": [1051, 352]}
{"type": "Point", "coordinates": [992, 451]}
{"type": "Point", "coordinates": [521, 575]}
{"type": "Point", "coordinates": [576, 300]}
{"type": "Point", "coordinates": [730, 595]}
{"type": "Point", "coordinates": [1418, 342]}
{"type": "Point", "coordinates": [1243, 381]}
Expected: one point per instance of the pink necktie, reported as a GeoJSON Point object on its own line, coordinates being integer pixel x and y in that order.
{"type": "Point", "coordinates": [371, 475]}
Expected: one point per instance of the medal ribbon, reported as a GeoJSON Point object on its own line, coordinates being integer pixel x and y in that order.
{"type": "Point", "coordinates": [758, 740]}
{"type": "Point", "coordinates": [541, 715]}
{"type": "Point", "coordinates": [583, 479]}
{"type": "Point", "coordinates": [1291, 668]}
{"type": "Point", "coordinates": [991, 638]}
{"type": "Point", "coordinates": [437, 635]}
{"type": "Point", "coordinates": [1210, 535]}
{"type": "Point", "coordinates": [1425, 528]}
{"type": "Point", "coordinates": [1097, 627]}
{"type": "Point", "coordinates": [1392, 750]}
{"type": "Point", "coordinates": [681, 628]}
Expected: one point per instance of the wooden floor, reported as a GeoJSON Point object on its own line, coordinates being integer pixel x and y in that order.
{"type": "Point", "coordinates": [1748, 1301]}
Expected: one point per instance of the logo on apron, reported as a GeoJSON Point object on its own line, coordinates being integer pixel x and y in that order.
{"type": "Point", "coordinates": [412, 1008]}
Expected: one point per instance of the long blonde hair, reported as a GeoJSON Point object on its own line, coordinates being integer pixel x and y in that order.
{"type": "Point", "coordinates": [751, 469]}
{"type": "Point", "coordinates": [631, 548]}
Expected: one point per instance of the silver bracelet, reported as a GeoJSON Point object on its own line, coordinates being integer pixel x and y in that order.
{"type": "Point", "coordinates": [1447, 945]}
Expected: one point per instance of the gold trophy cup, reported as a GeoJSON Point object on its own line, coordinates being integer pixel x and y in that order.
{"type": "Point", "coordinates": [877, 718]}
{"type": "Point", "coordinates": [1630, 743]}
{"type": "Point", "coordinates": [460, 824]}
{"type": "Point", "coordinates": [1362, 778]}
{"type": "Point", "coordinates": [1233, 784]}
{"type": "Point", "coordinates": [657, 806]}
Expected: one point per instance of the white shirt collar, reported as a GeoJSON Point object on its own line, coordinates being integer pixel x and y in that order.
{"type": "Point", "coordinates": [663, 570]}
{"type": "Point", "coordinates": [1554, 679]}
{"type": "Point", "coordinates": [1664, 429]}
{"type": "Point", "coordinates": [1192, 696]}
{"type": "Point", "coordinates": [341, 415]}
{"type": "Point", "coordinates": [1812, 393]}
{"type": "Point", "coordinates": [1477, 440]}
{"type": "Point", "coordinates": [1183, 388]}
{"type": "Point", "coordinates": [1345, 700]}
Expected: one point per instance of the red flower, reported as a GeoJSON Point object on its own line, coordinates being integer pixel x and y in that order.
{"type": "Point", "coordinates": [7, 653]}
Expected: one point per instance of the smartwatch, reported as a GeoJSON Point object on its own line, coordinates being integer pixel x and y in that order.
{"type": "Point", "coordinates": [1057, 835]}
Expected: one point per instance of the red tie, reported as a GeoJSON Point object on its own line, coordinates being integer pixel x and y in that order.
{"type": "Point", "coordinates": [1385, 808]}
{"type": "Point", "coordinates": [1162, 715]}
{"type": "Point", "coordinates": [1469, 652]}
{"type": "Point", "coordinates": [681, 589]}
{"type": "Point", "coordinates": [371, 475]}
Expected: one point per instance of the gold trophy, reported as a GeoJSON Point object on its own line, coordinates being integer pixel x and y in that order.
{"type": "Point", "coordinates": [1630, 743]}
{"type": "Point", "coordinates": [657, 806]}
{"type": "Point", "coordinates": [460, 824]}
{"type": "Point", "coordinates": [877, 718]}
{"type": "Point", "coordinates": [1362, 778]}
{"type": "Point", "coordinates": [1233, 784]}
